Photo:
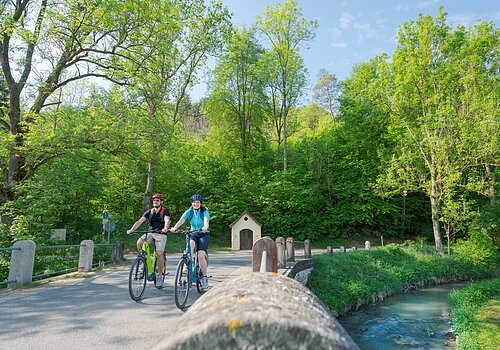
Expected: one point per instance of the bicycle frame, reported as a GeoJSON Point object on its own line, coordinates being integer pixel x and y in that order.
{"type": "Point", "coordinates": [190, 259]}
{"type": "Point", "coordinates": [143, 269]}
{"type": "Point", "coordinates": [150, 258]}
{"type": "Point", "coordinates": [188, 272]}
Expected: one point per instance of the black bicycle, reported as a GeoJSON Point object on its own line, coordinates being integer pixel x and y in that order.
{"type": "Point", "coordinates": [188, 271]}
{"type": "Point", "coordinates": [144, 269]}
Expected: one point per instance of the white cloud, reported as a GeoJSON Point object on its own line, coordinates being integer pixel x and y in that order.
{"type": "Point", "coordinates": [339, 45]}
{"type": "Point", "coordinates": [350, 22]}
{"type": "Point", "coordinates": [346, 20]}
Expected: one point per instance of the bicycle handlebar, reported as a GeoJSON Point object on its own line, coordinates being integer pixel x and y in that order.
{"type": "Point", "coordinates": [187, 232]}
{"type": "Point", "coordinates": [149, 231]}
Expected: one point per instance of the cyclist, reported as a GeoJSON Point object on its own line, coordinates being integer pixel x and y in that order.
{"type": "Point", "coordinates": [199, 219]}
{"type": "Point", "coordinates": [159, 220]}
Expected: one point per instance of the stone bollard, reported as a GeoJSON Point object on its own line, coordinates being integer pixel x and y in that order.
{"type": "Point", "coordinates": [268, 245]}
{"type": "Point", "coordinates": [307, 248]}
{"type": "Point", "coordinates": [280, 246]}
{"type": "Point", "coordinates": [290, 249]}
{"type": "Point", "coordinates": [258, 311]}
{"type": "Point", "coordinates": [329, 250]}
{"type": "Point", "coordinates": [368, 245]}
{"type": "Point", "coordinates": [86, 255]}
{"type": "Point", "coordinates": [21, 263]}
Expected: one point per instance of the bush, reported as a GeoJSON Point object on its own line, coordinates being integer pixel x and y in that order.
{"type": "Point", "coordinates": [478, 250]}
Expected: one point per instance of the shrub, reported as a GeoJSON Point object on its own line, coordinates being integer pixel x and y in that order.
{"type": "Point", "coordinates": [478, 250]}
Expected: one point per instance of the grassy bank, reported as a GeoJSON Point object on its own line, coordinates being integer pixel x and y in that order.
{"type": "Point", "coordinates": [475, 314]}
{"type": "Point", "coordinates": [346, 281]}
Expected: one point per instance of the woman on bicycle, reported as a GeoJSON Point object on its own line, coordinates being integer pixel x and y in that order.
{"type": "Point", "coordinates": [159, 221]}
{"type": "Point", "coordinates": [199, 219]}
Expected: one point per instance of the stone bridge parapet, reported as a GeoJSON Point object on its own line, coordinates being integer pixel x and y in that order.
{"type": "Point", "coordinates": [258, 311]}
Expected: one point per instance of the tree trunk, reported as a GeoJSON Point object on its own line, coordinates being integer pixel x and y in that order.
{"type": "Point", "coordinates": [15, 159]}
{"type": "Point", "coordinates": [149, 184]}
{"type": "Point", "coordinates": [285, 136]}
{"type": "Point", "coordinates": [434, 216]}
{"type": "Point", "coordinates": [491, 181]}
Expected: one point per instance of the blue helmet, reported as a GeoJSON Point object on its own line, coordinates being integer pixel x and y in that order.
{"type": "Point", "coordinates": [196, 197]}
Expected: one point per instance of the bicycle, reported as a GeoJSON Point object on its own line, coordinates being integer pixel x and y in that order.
{"type": "Point", "coordinates": [188, 272]}
{"type": "Point", "coordinates": [144, 268]}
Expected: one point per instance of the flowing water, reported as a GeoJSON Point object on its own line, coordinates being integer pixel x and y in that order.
{"type": "Point", "coordinates": [414, 320]}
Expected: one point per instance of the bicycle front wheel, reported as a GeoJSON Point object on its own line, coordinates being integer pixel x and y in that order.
{"type": "Point", "coordinates": [137, 278]}
{"type": "Point", "coordinates": [182, 284]}
{"type": "Point", "coordinates": [199, 275]}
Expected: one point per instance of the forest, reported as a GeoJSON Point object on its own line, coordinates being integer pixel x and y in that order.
{"type": "Point", "coordinates": [96, 116]}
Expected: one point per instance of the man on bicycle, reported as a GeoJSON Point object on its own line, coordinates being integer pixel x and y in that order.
{"type": "Point", "coordinates": [199, 218]}
{"type": "Point", "coordinates": [159, 222]}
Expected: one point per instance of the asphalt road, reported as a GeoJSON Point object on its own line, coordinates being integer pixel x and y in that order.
{"type": "Point", "coordinates": [96, 312]}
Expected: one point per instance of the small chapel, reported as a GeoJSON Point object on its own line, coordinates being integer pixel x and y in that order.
{"type": "Point", "coordinates": [245, 231]}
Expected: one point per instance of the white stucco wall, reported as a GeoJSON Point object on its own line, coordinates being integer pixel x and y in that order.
{"type": "Point", "coordinates": [243, 224]}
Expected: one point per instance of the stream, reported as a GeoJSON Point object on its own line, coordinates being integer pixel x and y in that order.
{"type": "Point", "coordinates": [414, 320]}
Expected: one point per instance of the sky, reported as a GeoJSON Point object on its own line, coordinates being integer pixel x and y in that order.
{"type": "Point", "coordinates": [354, 31]}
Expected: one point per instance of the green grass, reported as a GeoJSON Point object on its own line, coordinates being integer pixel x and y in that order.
{"type": "Point", "coordinates": [476, 315]}
{"type": "Point", "coordinates": [345, 281]}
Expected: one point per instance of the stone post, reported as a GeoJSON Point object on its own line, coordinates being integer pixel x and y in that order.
{"type": "Point", "coordinates": [307, 248]}
{"type": "Point", "coordinates": [329, 250]}
{"type": "Point", "coordinates": [117, 253]}
{"type": "Point", "coordinates": [268, 245]}
{"type": "Point", "coordinates": [368, 245]}
{"type": "Point", "coordinates": [280, 246]}
{"type": "Point", "coordinates": [21, 263]}
{"type": "Point", "coordinates": [342, 249]}
{"type": "Point", "coordinates": [86, 255]}
{"type": "Point", "coordinates": [290, 249]}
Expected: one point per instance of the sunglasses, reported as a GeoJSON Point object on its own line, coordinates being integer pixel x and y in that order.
{"type": "Point", "coordinates": [156, 200]}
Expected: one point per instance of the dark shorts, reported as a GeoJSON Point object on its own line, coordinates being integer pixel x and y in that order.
{"type": "Point", "coordinates": [201, 240]}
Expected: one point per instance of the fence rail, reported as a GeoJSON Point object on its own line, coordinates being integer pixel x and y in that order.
{"type": "Point", "coordinates": [22, 262]}
{"type": "Point", "coordinates": [11, 248]}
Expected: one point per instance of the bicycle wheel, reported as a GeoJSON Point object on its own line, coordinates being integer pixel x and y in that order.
{"type": "Point", "coordinates": [182, 284]}
{"type": "Point", "coordinates": [137, 279]}
{"type": "Point", "coordinates": [162, 277]}
{"type": "Point", "coordinates": [199, 275]}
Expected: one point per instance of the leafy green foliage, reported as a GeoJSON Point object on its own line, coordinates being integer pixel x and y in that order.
{"type": "Point", "coordinates": [478, 250]}
{"type": "Point", "coordinates": [362, 174]}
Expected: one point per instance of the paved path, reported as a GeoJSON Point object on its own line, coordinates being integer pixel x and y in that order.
{"type": "Point", "coordinates": [97, 312]}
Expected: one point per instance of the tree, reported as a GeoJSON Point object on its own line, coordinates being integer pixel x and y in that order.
{"type": "Point", "coordinates": [81, 39]}
{"type": "Point", "coordinates": [326, 92]}
{"type": "Point", "coordinates": [442, 112]}
{"type": "Point", "coordinates": [175, 51]}
{"type": "Point", "coordinates": [286, 30]}
{"type": "Point", "coordinates": [237, 94]}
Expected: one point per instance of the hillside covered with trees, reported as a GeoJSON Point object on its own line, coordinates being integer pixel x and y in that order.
{"type": "Point", "coordinates": [96, 116]}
